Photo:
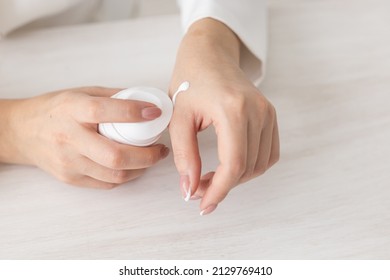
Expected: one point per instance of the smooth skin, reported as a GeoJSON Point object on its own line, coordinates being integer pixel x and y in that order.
{"type": "Point", "coordinates": [57, 132]}
{"type": "Point", "coordinates": [222, 96]}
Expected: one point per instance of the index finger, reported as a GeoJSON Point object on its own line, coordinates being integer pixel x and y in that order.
{"type": "Point", "coordinates": [98, 91]}
{"type": "Point", "coordinates": [232, 153]}
{"type": "Point", "coordinates": [92, 109]}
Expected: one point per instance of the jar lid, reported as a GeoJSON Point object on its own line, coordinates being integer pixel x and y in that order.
{"type": "Point", "coordinates": [141, 133]}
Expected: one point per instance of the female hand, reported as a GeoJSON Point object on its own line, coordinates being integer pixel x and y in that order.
{"type": "Point", "coordinates": [58, 133]}
{"type": "Point", "coordinates": [220, 95]}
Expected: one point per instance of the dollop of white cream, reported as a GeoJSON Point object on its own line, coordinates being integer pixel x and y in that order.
{"type": "Point", "coordinates": [183, 87]}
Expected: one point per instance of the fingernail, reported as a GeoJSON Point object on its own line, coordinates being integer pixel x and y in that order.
{"type": "Point", "coordinates": [164, 152]}
{"type": "Point", "coordinates": [208, 210]}
{"type": "Point", "coordinates": [151, 113]}
{"type": "Point", "coordinates": [195, 197]}
{"type": "Point", "coordinates": [185, 186]}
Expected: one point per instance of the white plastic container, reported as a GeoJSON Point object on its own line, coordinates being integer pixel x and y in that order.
{"type": "Point", "coordinates": [141, 133]}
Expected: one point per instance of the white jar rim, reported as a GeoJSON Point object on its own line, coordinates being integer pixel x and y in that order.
{"type": "Point", "coordinates": [140, 133]}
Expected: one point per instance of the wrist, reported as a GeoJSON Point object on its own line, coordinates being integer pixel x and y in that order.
{"type": "Point", "coordinates": [214, 37]}
{"type": "Point", "coordinates": [209, 49]}
{"type": "Point", "coordinates": [9, 152]}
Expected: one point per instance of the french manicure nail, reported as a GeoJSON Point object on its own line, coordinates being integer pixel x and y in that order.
{"type": "Point", "coordinates": [195, 197]}
{"type": "Point", "coordinates": [208, 210]}
{"type": "Point", "coordinates": [151, 113]}
{"type": "Point", "coordinates": [185, 186]}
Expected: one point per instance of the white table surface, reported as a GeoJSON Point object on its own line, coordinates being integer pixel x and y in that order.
{"type": "Point", "coordinates": [328, 197]}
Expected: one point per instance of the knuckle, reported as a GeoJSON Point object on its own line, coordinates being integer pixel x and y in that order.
{"type": "Point", "coordinates": [181, 157]}
{"type": "Point", "coordinates": [93, 109]}
{"type": "Point", "coordinates": [262, 103]}
{"type": "Point", "coordinates": [60, 139]}
{"type": "Point", "coordinates": [236, 104]}
{"type": "Point", "coordinates": [238, 168]}
{"type": "Point", "coordinates": [151, 157]}
{"type": "Point", "coordinates": [267, 109]}
{"type": "Point", "coordinates": [64, 97]}
{"type": "Point", "coordinates": [64, 101]}
{"type": "Point", "coordinates": [119, 176]}
{"type": "Point", "coordinates": [131, 110]}
{"type": "Point", "coordinates": [146, 158]}
{"type": "Point", "coordinates": [114, 158]}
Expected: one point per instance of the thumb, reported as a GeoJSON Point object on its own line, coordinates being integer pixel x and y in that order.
{"type": "Point", "coordinates": [183, 133]}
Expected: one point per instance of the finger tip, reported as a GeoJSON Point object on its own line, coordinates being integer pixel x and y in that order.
{"type": "Point", "coordinates": [208, 210]}
{"type": "Point", "coordinates": [188, 196]}
{"type": "Point", "coordinates": [164, 152]}
{"type": "Point", "coordinates": [151, 113]}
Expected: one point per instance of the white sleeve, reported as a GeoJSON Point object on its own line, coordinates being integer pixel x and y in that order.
{"type": "Point", "coordinates": [16, 13]}
{"type": "Point", "coordinates": [247, 18]}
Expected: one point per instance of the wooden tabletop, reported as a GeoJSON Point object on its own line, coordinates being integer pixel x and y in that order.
{"type": "Point", "coordinates": [328, 75]}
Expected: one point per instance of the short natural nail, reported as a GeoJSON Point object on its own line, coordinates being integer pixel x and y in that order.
{"type": "Point", "coordinates": [151, 113]}
{"type": "Point", "coordinates": [185, 186]}
{"type": "Point", "coordinates": [164, 152]}
{"type": "Point", "coordinates": [208, 209]}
